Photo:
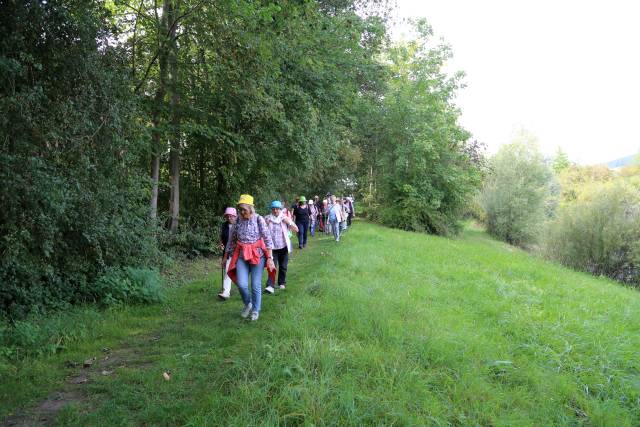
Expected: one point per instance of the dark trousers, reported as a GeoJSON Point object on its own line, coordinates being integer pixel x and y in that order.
{"type": "Point", "coordinates": [349, 217]}
{"type": "Point", "coordinates": [303, 229]}
{"type": "Point", "coordinates": [281, 260]}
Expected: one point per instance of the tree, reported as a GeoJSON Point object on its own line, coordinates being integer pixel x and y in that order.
{"type": "Point", "coordinates": [599, 232]}
{"type": "Point", "coordinates": [560, 161]}
{"type": "Point", "coordinates": [259, 86]}
{"type": "Point", "coordinates": [515, 191]}
{"type": "Point", "coordinates": [421, 165]}
{"type": "Point", "coordinates": [577, 180]}
{"type": "Point", "coordinates": [74, 199]}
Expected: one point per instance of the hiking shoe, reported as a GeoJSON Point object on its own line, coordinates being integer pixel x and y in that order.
{"type": "Point", "coordinates": [254, 315]}
{"type": "Point", "coordinates": [246, 311]}
{"type": "Point", "coordinates": [281, 287]}
{"type": "Point", "coordinates": [269, 290]}
{"type": "Point", "coordinates": [223, 296]}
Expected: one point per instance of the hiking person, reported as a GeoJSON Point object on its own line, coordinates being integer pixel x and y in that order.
{"type": "Point", "coordinates": [318, 204]}
{"type": "Point", "coordinates": [301, 215]}
{"type": "Point", "coordinates": [325, 213]}
{"type": "Point", "coordinates": [279, 227]}
{"type": "Point", "coordinates": [250, 248]}
{"type": "Point", "coordinates": [313, 215]}
{"type": "Point", "coordinates": [335, 217]}
{"type": "Point", "coordinates": [345, 214]}
{"type": "Point", "coordinates": [230, 217]}
{"type": "Point", "coordinates": [352, 210]}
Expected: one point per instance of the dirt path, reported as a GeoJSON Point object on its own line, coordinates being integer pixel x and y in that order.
{"type": "Point", "coordinates": [134, 352]}
{"type": "Point", "coordinates": [75, 391]}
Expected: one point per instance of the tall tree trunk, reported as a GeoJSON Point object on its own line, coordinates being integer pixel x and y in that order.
{"type": "Point", "coordinates": [159, 99]}
{"type": "Point", "coordinates": [174, 107]}
{"type": "Point", "coordinates": [174, 168]}
{"type": "Point", "coordinates": [201, 171]}
{"type": "Point", "coordinates": [155, 178]}
{"type": "Point", "coordinates": [371, 179]}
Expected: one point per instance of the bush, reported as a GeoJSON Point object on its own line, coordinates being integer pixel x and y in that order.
{"type": "Point", "coordinates": [599, 233]}
{"type": "Point", "coordinates": [577, 181]}
{"type": "Point", "coordinates": [128, 285]}
{"type": "Point", "coordinates": [413, 210]}
{"type": "Point", "coordinates": [515, 194]}
{"type": "Point", "coordinates": [74, 199]}
{"type": "Point", "coordinates": [474, 211]}
{"type": "Point", "coordinates": [38, 335]}
{"type": "Point", "coordinates": [193, 240]}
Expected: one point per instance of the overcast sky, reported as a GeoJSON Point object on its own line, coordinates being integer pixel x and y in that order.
{"type": "Point", "coordinates": [566, 70]}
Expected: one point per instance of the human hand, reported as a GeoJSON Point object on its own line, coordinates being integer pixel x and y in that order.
{"type": "Point", "coordinates": [271, 265]}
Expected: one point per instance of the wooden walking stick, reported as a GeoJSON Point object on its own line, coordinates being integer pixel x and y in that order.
{"type": "Point", "coordinates": [222, 277]}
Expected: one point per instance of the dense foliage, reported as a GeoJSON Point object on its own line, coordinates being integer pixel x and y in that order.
{"type": "Point", "coordinates": [74, 199]}
{"type": "Point", "coordinates": [128, 127]}
{"type": "Point", "coordinates": [420, 165]}
{"type": "Point", "coordinates": [597, 227]}
{"type": "Point", "coordinates": [265, 92]}
{"type": "Point", "coordinates": [515, 193]}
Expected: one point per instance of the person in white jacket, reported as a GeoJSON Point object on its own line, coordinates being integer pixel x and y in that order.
{"type": "Point", "coordinates": [335, 217]}
{"type": "Point", "coordinates": [280, 226]}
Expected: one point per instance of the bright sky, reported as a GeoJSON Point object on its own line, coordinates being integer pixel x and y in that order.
{"type": "Point", "coordinates": [566, 70]}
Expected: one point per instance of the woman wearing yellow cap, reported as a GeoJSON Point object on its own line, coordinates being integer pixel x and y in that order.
{"type": "Point", "coordinates": [250, 246]}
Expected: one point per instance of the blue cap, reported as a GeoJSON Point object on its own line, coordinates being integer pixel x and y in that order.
{"type": "Point", "coordinates": [276, 204]}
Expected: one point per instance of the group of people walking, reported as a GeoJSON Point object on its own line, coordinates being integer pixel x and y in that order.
{"type": "Point", "coordinates": [252, 242]}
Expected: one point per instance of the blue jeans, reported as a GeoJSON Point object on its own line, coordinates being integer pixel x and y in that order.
{"type": "Point", "coordinates": [335, 227]}
{"type": "Point", "coordinates": [312, 228]}
{"type": "Point", "coordinates": [243, 270]}
{"type": "Point", "coordinates": [303, 227]}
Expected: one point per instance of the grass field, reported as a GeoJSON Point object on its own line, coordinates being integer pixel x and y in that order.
{"type": "Point", "coordinates": [383, 328]}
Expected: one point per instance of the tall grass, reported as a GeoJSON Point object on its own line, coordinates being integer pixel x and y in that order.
{"type": "Point", "coordinates": [384, 328]}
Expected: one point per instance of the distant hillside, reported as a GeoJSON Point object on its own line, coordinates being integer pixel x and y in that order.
{"type": "Point", "coordinates": [622, 162]}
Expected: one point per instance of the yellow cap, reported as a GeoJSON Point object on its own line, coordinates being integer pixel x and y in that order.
{"type": "Point", "coordinates": [245, 199]}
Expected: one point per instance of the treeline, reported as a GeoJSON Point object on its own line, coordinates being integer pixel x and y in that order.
{"type": "Point", "coordinates": [585, 217]}
{"type": "Point", "coordinates": [127, 127]}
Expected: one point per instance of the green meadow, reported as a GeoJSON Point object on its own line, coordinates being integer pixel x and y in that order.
{"type": "Point", "coordinates": [383, 328]}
